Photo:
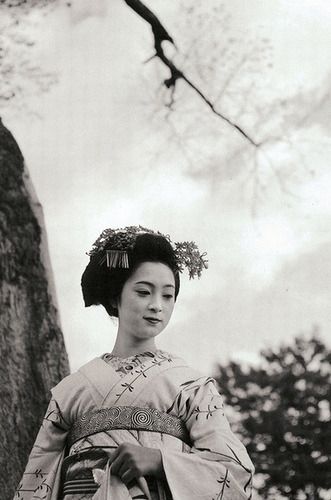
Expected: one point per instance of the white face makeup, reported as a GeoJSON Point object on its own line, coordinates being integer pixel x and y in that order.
{"type": "Point", "coordinates": [146, 303]}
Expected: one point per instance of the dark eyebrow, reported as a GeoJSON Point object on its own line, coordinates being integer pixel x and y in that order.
{"type": "Point", "coordinates": [151, 284]}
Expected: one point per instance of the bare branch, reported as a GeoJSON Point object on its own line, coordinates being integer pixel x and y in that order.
{"type": "Point", "coordinates": [160, 35]}
{"type": "Point", "coordinates": [159, 31]}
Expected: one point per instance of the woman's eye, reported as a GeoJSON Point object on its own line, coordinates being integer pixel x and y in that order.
{"type": "Point", "coordinates": [168, 296]}
{"type": "Point", "coordinates": [142, 292]}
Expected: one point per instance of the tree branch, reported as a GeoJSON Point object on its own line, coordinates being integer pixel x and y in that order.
{"type": "Point", "coordinates": [160, 35]}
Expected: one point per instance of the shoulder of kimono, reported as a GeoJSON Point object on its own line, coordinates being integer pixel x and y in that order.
{"type": "Point", "coordinates": [185, 375]}
{"type": "Point", "coordinates": [98, 375]}
{"type": "Point", "coordinates": [68, 383]}
{"type": "Point", "coordinates": [193, 373]}
{"type": "Point", "coordinates": [78, 381]}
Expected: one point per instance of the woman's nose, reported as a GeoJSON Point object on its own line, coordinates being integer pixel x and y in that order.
{"type": "Point", "coordinates": [155, 306]}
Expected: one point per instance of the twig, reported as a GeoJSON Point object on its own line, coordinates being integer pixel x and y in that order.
{"type": "Point", "coordinates": [160, 35]}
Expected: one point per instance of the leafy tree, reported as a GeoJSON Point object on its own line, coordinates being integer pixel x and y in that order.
{"type": "Point", "coordinates": [219, 109]}
{"type": "Point", "coordinates": [282, 412]}
{"type": "Point", "coordinates": [20, 73]}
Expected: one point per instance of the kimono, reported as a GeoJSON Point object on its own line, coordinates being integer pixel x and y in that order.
{"type": "Point", "coordinates": [153, 400]}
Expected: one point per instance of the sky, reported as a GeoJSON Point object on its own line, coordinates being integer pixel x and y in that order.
{"type": "Point", "coordinates": [100, 154]}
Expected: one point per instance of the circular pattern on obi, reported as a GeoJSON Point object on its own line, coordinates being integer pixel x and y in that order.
{"type": "Point", "coordinates": [127, 417]}
{"type": "Point", "coordinates": [141, 417]}
{"type": "Point", "coordinates": [95, 418]}
{"type": "Point", "coordinates": [114, 413]}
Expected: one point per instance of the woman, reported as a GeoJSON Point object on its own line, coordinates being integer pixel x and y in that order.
{"type": "Point", "coordinates": [137, 423]}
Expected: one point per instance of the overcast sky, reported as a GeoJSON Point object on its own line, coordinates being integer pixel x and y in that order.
{"type": "Point", "coordinates": [98, 157]}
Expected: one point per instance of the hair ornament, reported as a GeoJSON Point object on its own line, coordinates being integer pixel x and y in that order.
{"type": "Point", "coordinates": [116, 258]}
{"type": "Point", "coordinates": [188, 255]}
{"type": "Point", "coordinates": [114, 246]}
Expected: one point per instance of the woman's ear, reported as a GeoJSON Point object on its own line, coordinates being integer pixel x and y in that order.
{"type": "Point", "coordinates": [114, 303]}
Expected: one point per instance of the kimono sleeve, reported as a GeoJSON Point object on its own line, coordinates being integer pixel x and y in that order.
{"type": "Point", "coordinates": [218, 466]}
{"type": "Point", "coordinates": [41, 478]}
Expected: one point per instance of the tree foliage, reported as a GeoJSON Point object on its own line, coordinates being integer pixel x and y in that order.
{"type": "Point", "coordinates": [283, 415]}
{"type": "Point", "coordinates": [210, 90]}
{"type": "Point", "coordinates": [20, 72]}
{"type": "Point", "coordinates": [176, 74]}
{"type": "Point", "coordinates": [222, 113]}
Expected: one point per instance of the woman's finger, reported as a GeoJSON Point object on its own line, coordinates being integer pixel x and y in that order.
{"type": "Point", "coordinates": [117, 452]}
{"type": "Point", "coordinates": [127, 477]}
{"type": "Point", "coordinates": [116, 464]}
{"type": "Point", "coordinates": [123, 468]}
{"type": "Point", "coordinates": [144, 487]}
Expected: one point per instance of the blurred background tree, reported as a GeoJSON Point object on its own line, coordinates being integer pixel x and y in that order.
{"type": "Point", "coordinates": [282, 411]}
{"type": "Point", "coordinates": [21, 75]}
{"type": "Point", "coordinates": [214, 99]}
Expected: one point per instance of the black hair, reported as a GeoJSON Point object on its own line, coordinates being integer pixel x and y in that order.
{"type": "Point", "coordinates": [103, 286]}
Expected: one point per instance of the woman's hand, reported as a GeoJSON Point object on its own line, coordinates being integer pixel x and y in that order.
{"type": "Point", "coordinates": [131, 462]}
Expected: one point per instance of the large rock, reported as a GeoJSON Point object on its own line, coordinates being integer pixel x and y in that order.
{"type": "Point", "coordinates": [33, 356]}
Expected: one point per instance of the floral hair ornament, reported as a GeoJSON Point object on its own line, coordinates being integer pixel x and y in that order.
{"type": "Point", "coordinates": [113, 246]}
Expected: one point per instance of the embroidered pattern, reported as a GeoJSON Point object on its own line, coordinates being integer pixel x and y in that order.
{"type": "Point", "coordinates": [210, 407]}
{"type": "Point", "coordinates": [55, 416]}
{"type": "Point", "coordinates": [225, 482]}
{"type": "Point", "coordinates": [191, 388]}
{"type": "Point", "coordinates": [233, 457]}
{"type": "Point", "coordinates": [194, 405]}
{"type": "Point", "coordinates": [158, 359]}
{"type": "Point", "coordinates": [40, 492]}
{"type": "Point", "coordinates": [127, 417]}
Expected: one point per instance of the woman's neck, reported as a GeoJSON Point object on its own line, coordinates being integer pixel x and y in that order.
{"type": "Point", "coordinates": [124, 349]}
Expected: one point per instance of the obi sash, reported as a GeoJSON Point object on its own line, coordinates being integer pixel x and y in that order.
{"type": "Point", "coordinates": [127, 417]}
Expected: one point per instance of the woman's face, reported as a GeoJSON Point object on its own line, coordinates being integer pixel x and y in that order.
{"type": "Point", "coordinates": [147, 301]}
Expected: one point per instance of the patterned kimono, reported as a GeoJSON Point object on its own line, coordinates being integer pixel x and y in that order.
{"type": "Point", "coordinates": [153, 400]}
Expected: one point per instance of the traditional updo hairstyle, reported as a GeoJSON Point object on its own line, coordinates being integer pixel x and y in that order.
{"type": "Point", "coordinates": [104, 285]}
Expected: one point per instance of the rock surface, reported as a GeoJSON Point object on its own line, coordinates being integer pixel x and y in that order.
{"type": "Point", "coordinates": [33, 355]}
